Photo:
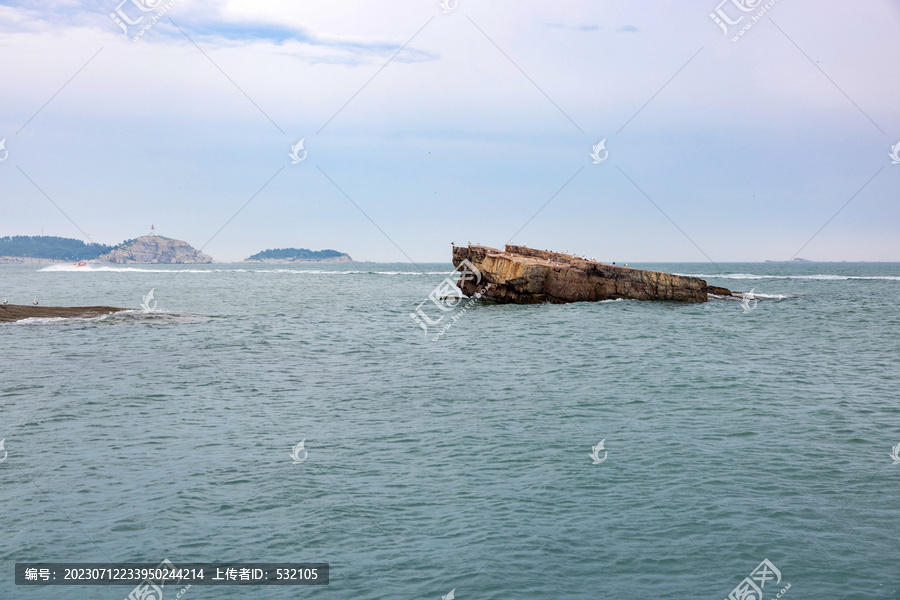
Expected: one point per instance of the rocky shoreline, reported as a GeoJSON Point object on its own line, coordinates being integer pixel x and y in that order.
{"type": "Point", "coordinates": [29, 260]}
{"type": "Point", "coordinates": [521, 275]}
{"type": "Point", "coordinates": [17, 312]}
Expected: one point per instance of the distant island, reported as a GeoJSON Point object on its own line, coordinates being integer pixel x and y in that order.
{"type": "Point", "coordinates": [47, 249]}
{"type": "Point", "coordinates": [798, 259]}
{"type": "Point", "coordinates": [286, 255]}
{"type": "Point", "coordinates": [154, 249]}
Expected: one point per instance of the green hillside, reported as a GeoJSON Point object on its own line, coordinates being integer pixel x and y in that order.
{"type": "Point", "coordinates": [50, 247]}
{"type": "Point", "coordinates": [296, 253]}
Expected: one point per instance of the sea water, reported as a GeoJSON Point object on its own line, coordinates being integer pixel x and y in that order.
{"type": "Point", "coordinates": [732, 433]}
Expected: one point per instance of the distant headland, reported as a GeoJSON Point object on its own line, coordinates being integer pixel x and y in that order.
{"type": "Point", "coordinates": [147, 249]}
{"type": "Point", "coordinates": [47, 249]}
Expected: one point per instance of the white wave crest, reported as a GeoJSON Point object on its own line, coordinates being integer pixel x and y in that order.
{"type": "Point", "coordinates": [820, 277]}
{"type": "Point", "coordinates": [152, 317]}
{"type": "Point", "coordinates": [125, 269]}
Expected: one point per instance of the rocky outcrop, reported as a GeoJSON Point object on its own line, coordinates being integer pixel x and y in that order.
{"type": "Point", "coordinates": [522, 275]}
{"type": "Point", "coordinates": [17, 312]}
{"type": "Point", "coordinates": [154, 249]}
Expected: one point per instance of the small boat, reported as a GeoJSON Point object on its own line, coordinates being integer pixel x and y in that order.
{"type": "Point", "coordinates": [80, 264]}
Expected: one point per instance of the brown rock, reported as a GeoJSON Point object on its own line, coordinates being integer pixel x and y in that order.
{"type": "Point", "coordinates": [522, 275]}
{"type": "Point", "coordinates": [17, 312]}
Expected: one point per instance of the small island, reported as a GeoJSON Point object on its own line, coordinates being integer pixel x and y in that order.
{"type": "Point", "coordinates": [290, 255]}
{"type": "Point", "coordinates": [154, 249]}
{"type": "Point", "coordinates": [796, 260]}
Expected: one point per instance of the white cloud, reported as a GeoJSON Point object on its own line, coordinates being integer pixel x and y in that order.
{"type": "Point", "coordinates": [160, 107]}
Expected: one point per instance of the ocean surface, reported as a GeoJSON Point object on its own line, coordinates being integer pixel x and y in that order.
{"type": "Point", "coordinates": [457, 458]}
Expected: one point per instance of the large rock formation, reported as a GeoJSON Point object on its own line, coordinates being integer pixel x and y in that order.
{"type": "Point", "coordinates": [521, 275]}
{"type": "Point", "coordinates": [154, 249]}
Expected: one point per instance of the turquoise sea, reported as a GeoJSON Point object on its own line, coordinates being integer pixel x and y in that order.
{"type": "Point", "coordinates": [460, 463]}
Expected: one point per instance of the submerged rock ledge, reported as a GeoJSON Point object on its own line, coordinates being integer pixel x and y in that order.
{"type": "Point", "coordinates": [17, 312]}
{"type": "Point", "coordinates": [521, 275]}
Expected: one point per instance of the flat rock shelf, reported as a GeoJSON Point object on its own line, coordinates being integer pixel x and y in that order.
{"type": "Point", "coordinates": [17, 312]}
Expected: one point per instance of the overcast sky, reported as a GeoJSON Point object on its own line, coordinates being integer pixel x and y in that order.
{"type": "Point", "coordinates": [482, 122]}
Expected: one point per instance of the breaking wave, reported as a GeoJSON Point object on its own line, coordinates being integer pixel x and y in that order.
{"type": "Point", "coordinates": [124, 317]}
{"type": "Point", "coordinates": [815, 277]}
{"type": "Point", "coordinates": [114, 269]}
{"type": "Point", "coordinates": [757, 295]}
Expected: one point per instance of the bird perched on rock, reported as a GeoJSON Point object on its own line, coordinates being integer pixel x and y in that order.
{"type": "Point", "coordinates": [34, 302]}
{"type": "Point", "coordinates": [4, 303]}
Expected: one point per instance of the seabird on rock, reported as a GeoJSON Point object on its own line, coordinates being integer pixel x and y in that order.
{"type": "Point", "coordinates": [4, 303]}
{"type": "Point", "coordinates": [34, 302]}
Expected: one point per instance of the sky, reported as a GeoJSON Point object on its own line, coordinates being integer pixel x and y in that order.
{"type": "Point", "coordinates": [425, 124]}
